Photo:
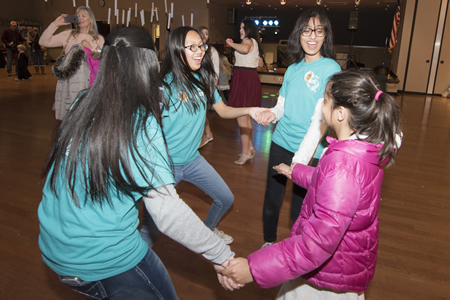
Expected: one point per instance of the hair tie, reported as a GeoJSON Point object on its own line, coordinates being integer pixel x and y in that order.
{"type": "Point", "coordinates": [377, 95]}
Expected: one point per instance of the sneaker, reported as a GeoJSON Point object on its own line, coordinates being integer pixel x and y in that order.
{"type": "Point", "coordinates": [267, 244]}
{"type": "Point", "coordinates": [225, 237]}
{"type": "Point", "coordinates": [17, 79]}
{"type": "Point", "coordinates": [9, 74]}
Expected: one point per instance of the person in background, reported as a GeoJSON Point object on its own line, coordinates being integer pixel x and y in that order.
{"type": "Point", "coordinates": [332, 250]}
{"type": "Point", "coordinates": [108, 156]}
{"type": "Point", "coordinates": [36, 52]}
{"type": "Point", "coordinates": [79, 45]}
{"type": "Point", "coordinates": [245, 84]}
{"type": "Point", "coordinates": [310, 46]}
{"type": "Point", "coordinates": [224, 77]}
{"type": "Point", "coordinates": [23, 74]}
{"type": "Point", "coordinates": [11, 37]}
{"type": "Point", "coordinates": [214, 55]}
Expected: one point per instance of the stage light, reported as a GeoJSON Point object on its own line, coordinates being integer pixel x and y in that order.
{"type": "Point", "coordinates": [265, 22]}
{"type": "Point", "coordinates": [276, 22]}
{"type": "Point", "coordinates": [257, 22]}
{"type": "Point", "coordinates": [270, 23]}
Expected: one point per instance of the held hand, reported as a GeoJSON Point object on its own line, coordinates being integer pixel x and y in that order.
{"type": "Point", "coordinates": [254, 112]}
{"type": "Point", "coordinates": [226, 283]}
{"type": "Point", "coordinates": [59, 21]}
{"type": "Point", "coordinates": [86, 44]}
{"type": "Point", "coordinates": [228, 41]}
{"type": "Point", "coordinates": [238, 270]}
{"type": "Point", "coordinates": [265, 118]}
{"type": "Point", "coordinates": [284, 169]}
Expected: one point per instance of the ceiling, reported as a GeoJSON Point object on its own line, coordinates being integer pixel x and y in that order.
{"type": "Point", "coordinates": [346, 5]}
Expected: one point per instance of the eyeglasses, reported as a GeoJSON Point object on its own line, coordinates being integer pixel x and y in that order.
{"type": "Point", "coordinates": [194, 48]}
{"type": "Point", "coordinates": [320, 32]}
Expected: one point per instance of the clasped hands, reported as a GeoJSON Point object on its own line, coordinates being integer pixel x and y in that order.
{"type": "Point", "coordinates": [234, 273]}
{"type": "Point", "coordinates": [262, 116]}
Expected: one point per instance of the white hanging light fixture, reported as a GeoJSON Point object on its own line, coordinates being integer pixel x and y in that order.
{"type": "Point", "coordinates": [357, 2]}
{"type": "Point", "coordinates": [248, 2]}
{"type": "Point", "coordinates": [319, 2]}
{"type": "Point", "coordinates": [282, 2]}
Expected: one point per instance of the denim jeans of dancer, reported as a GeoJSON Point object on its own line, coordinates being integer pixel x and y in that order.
{"type": "Point", "coordinates": [275, 188]}
{"type": "Point", "coordinates": [201, 174]}
{"type": "Point", "coordinates": [9, 61]}
{"type": "Point", "coordinates": [38, 58]}
{"type": "Point", "coordinates": [148, 280]}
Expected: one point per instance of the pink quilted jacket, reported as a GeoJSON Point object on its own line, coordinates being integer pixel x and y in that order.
{"type": "Point", "coordinates": [333, 243]}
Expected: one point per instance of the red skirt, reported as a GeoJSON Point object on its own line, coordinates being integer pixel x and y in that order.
{"type": "Point", "coordinates": [245, 88]}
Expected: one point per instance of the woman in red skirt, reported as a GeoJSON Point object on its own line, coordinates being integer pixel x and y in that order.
{"type": "Point", "coordinates": [245, 83]}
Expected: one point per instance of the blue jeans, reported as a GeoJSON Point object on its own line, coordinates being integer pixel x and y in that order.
{"type": "Point", "coordinates": [38, 58]}
{"type": "Point", "coordinates": [148, 280]}
{"type": "Point", "coordinates": [201, 174]}
{"type": "Point", "coordinates": [9, 61]}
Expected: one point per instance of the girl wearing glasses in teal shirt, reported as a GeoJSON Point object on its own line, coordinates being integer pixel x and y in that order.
{"type": "Point", "coordinates": [310, 47]}
{"type": "Point", "coordinates": [189, 77]}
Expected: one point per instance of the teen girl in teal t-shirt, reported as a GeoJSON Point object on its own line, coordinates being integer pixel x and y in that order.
{"type": "Point", "coordinates": [189, 88]}
{"type": "Point", "coordinates": [311, 47]}
{"type": "Point", "coordinates": [108, 154]}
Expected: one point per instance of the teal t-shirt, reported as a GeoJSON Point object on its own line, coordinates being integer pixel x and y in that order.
{"type": "Point", "coordinates": [303, 85]}
{"type": "Point", "coordinates": [94, 242]}
{"type": "Point", "coordinates": [182, 127]}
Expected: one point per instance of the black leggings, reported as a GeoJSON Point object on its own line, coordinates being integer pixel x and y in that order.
{"type": "Point", "coordinates": [275, 188]}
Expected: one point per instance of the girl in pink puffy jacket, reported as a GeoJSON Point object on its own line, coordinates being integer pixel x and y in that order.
{"type": "Point", "coordinates": [332, 250]}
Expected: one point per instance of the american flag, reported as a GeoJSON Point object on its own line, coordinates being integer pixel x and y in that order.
{"type": "Point", "coordinates": [393, 38]}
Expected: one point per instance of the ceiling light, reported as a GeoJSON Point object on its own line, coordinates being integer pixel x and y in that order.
{"type": "Point", "coordinates": [282, 2]}
{"type": "Point", "coordinates": [248, 2]}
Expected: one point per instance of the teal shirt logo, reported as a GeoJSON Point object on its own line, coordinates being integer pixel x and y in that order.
{"type": "Point", "coordinates": [312, 81]}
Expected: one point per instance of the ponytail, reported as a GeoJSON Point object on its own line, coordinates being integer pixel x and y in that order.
{"type": "Point", "coordinates": [374, 114]}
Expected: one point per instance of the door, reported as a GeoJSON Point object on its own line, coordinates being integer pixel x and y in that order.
{"type": "Point", "coordinates": [443, 65]}
{"type": "Point", "coordinates": [422, 45]}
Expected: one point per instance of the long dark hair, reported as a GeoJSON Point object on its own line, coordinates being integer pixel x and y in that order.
{"type": "Point", "coordinates": [183, 79]}
{"type": "Point", "coordinates": [379, 120]}
{"type": "Point", "coordinates": [251, 31]}
{"type": "Point", "coordinates": [97, 140]}
{"type": "Point", "coordinates": [296, 52]}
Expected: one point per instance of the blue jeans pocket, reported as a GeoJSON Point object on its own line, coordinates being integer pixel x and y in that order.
{"type": "Point", "coordinates": [90, 289]}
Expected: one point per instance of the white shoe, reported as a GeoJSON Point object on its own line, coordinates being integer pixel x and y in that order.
{"type": "Point", "coordinates": [266, 244]}
{"type": "Point", "coordinates": [225, 237]}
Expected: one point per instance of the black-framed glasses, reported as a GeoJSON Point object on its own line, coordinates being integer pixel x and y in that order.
{"type": "Point", "coordinates": [194, 48]}
{"type": "Point", "coordinates": [320, 31]}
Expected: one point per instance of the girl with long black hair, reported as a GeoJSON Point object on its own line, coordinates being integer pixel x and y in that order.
{"type": "Point", "coordinates": [189, 78]}
{"type": "Point", "coordinates": [310, 47]}
{"type": "Point", "coordinates": [109, 153]}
